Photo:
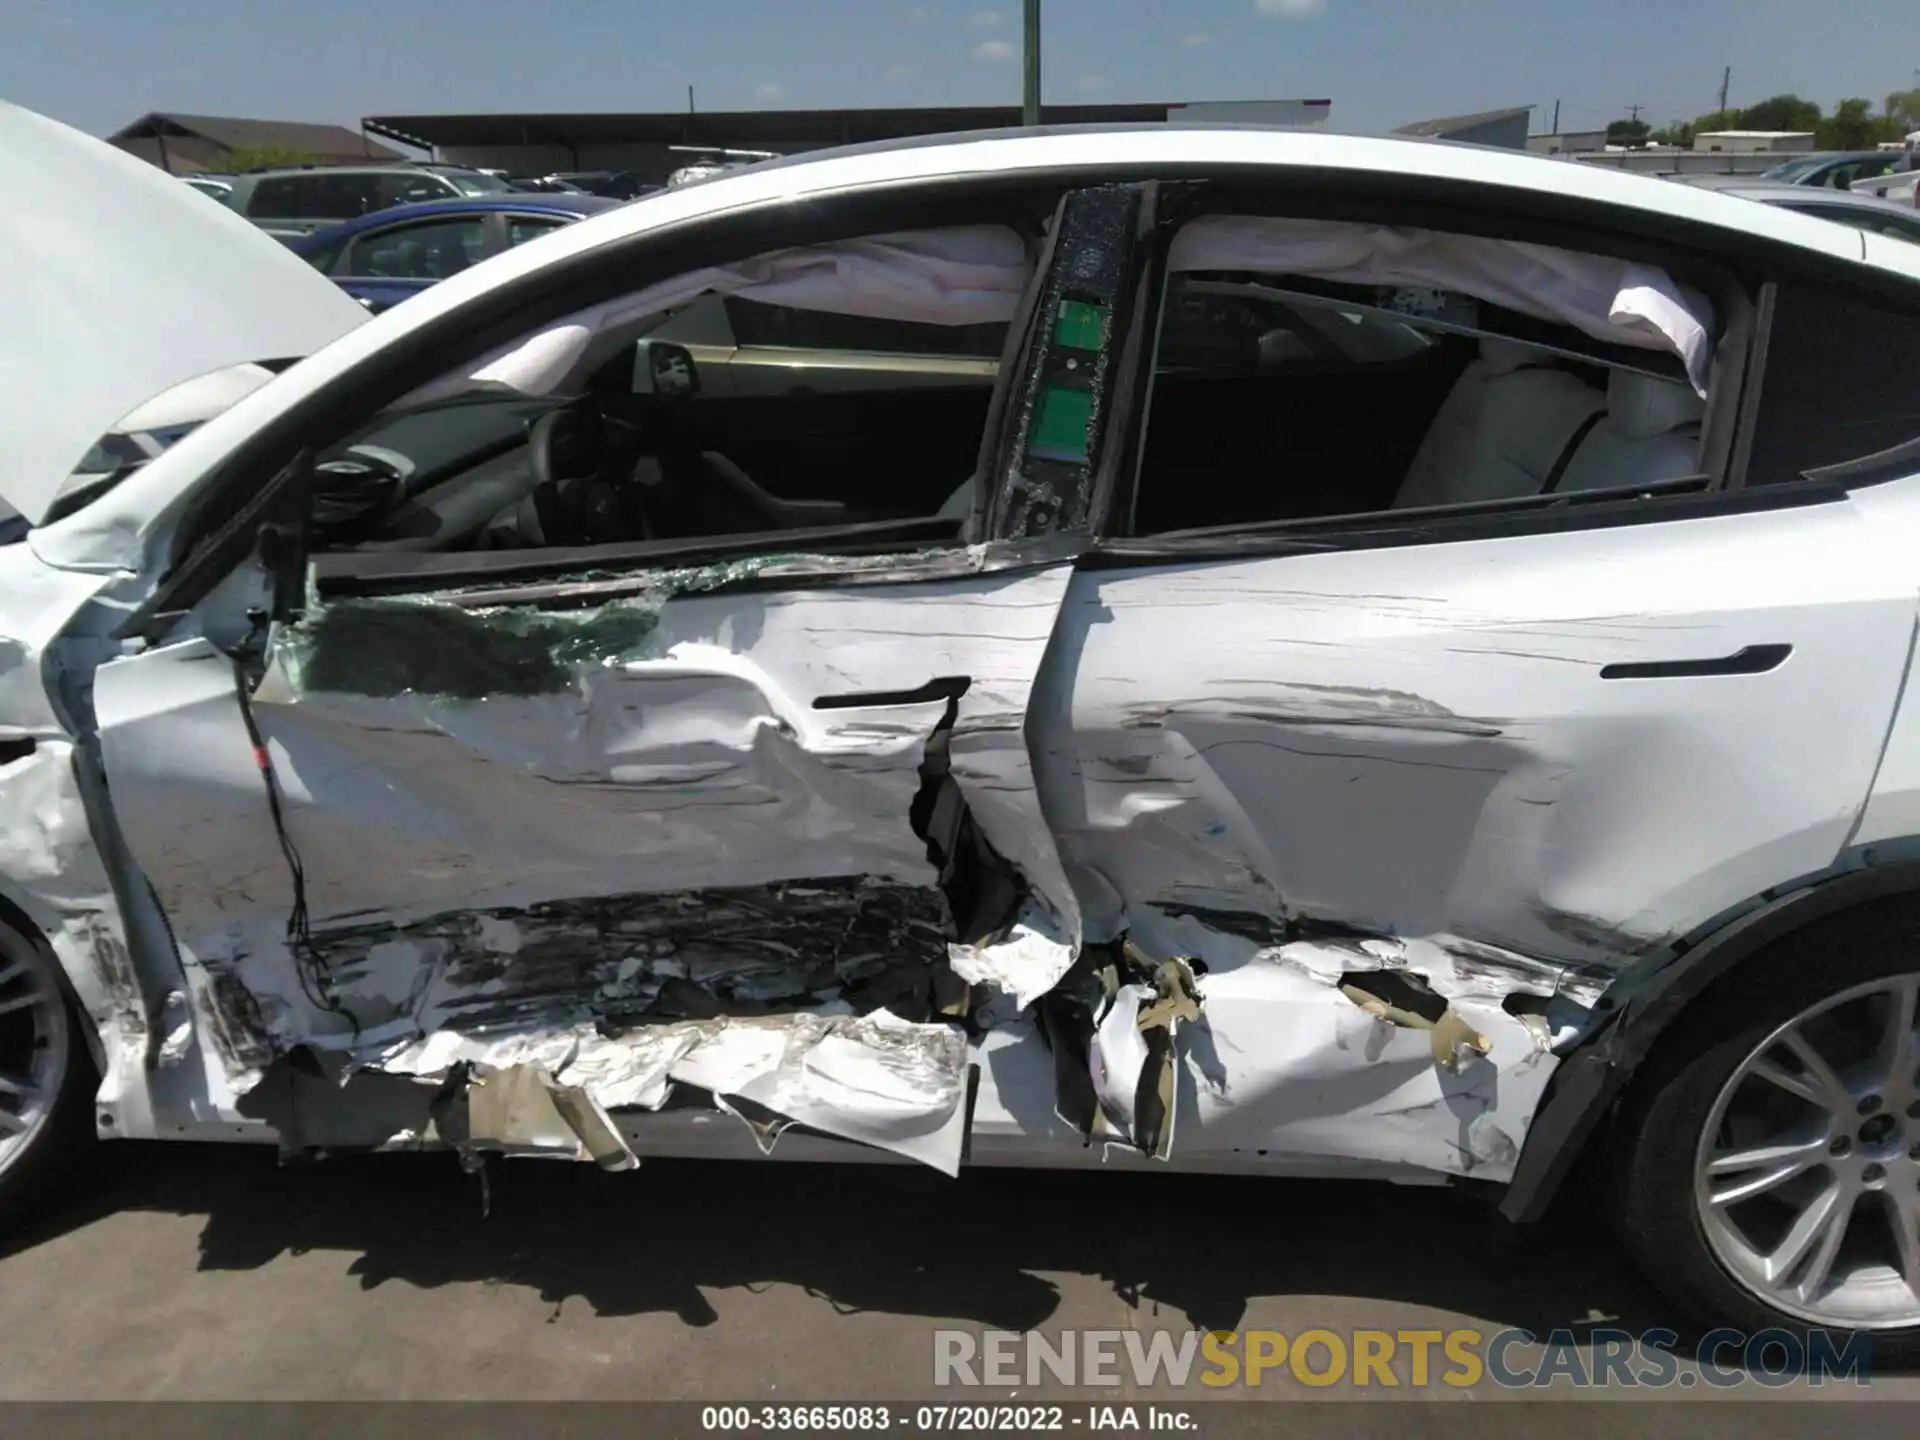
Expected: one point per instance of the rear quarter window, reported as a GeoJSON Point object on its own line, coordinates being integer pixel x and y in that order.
{"type": "Point", "coordinates": [1839, 383]}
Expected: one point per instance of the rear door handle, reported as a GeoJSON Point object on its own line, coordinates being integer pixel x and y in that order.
{"type": "Point", "coordinates": [1752, 660]}
{"type": "Point", "coordinates": [944, 687]}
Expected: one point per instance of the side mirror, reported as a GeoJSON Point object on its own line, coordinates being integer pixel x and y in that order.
{"type": "Point", "coordinates": [671, 370]}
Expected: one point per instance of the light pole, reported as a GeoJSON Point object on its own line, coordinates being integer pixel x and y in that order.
{"type": "Point", "coordinates": [1030, 106]}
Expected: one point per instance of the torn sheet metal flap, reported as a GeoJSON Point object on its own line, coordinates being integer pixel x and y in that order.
{"type": "Point", "coordinates": [1134, 1052]}
{"type": "Point", "coordinates": [874, 1079]}
{"type": "Point", "coordinates": [1026, 962]}
{"type": "Point", "coordinates": [523, 1110]}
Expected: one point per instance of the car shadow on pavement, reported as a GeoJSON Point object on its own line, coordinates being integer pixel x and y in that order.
{"type": "Point", "coordinates": [874, 1238]}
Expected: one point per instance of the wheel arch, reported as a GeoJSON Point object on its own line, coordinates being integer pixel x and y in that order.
{"type": "Point", "coordinates": [16, 915]}
{"type": "Point", "coordinates": [1641, 1008]}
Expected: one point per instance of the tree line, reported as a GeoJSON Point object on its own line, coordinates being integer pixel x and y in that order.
{"type": "Point", "coordinates": [1853, 125]}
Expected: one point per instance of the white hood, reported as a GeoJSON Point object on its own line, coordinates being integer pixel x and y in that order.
{"type": "Point", "coordinates": [120, 283]}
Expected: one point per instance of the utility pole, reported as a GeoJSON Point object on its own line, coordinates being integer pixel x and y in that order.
{"type": "Point", "coordinates": [1030, 104]}
{"type": "Point", "coordinates": [1556, 117]}
{"type": "Point", "coordinates": [1726, 79]}
{"type": "Point", "coordinates": [1633, 113]}
{"type": "Point", "coordinates": [690, 109]}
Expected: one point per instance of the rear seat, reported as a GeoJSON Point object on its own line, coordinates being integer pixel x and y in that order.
{"type": "Point", "coordinates": [1651, 432]}
{"type": "Point", "coordinates": [1501, 431]}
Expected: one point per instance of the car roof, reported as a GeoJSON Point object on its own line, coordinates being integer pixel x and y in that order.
{"type": "Point", "coordinates": [1169, 146]}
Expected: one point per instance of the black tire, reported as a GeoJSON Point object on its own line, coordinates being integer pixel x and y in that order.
{"type": "Point", "coordinates": [1657, 1131]}
{"type": "Point", "coordinates": [32, 1177]}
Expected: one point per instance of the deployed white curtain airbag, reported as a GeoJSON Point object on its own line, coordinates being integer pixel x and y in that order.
{"type": "Point", "coordinates": [968, 275]}
{"type": "Point", "coordinates": [1613, 300]}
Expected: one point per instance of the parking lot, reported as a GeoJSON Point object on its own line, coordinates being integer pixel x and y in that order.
{"type": "Point", "coordinates": [205, 1273]}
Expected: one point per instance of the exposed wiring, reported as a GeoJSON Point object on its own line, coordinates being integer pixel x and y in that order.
{"type": "Point", "coordinates": [307, 963]}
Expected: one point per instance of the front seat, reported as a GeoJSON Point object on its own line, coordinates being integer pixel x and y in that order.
{"type": "Point", "coordinates": [1651, 432]}
{"type": "Point", "coordinates": [1502, 430]}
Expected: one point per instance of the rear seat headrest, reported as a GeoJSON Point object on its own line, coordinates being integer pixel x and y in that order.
{"type": "Point", "coordinates": [1498, 357]}
{"type": "Point", "coordinates": [1643, 406]}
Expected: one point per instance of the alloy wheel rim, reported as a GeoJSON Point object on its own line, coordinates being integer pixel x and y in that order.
{"type": "Point", "coordinates": [1807, 1173]}
{"type": "Point", "coordinates": [33, 1046]}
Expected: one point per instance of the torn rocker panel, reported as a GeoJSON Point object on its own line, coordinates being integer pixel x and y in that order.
{"type": "Point", "coordinates": [827, 1004]}
{"type": "Point", "coordinates": [1312, 1039]}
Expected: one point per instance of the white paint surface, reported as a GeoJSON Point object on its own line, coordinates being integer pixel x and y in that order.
{"type": "Point", "coordinates": [124, 284]}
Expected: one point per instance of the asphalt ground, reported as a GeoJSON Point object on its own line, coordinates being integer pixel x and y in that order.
{"type": "Point", "coordinates": [190, 1273]}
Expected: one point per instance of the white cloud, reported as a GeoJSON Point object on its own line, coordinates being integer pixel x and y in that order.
{"type": "Point", "coordinates": [898, 72]}
{"type": "Point", "coordinates": [988, 19]}
{"type": "Point", "coordinates": [1093, 82]}
{"type": "Point", "coordinates": [993, 51]}
{"type": "Point", "coordinates": [770, 92]}
{"type": "Point", "coordinates": [1202, 38]}
{"type": "Point", "coordinates": [1291, 9]}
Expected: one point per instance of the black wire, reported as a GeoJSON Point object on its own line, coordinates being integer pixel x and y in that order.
{"type": "Point", "coordinates": [307, 963]}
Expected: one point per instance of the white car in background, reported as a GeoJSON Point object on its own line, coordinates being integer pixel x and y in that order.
{"type": "Point", "coordinates": [1902, 185]}
{"type": "Point", "coordinates": [1844, 207]}
{"type": "Point", "coordinates": [1401, 669]}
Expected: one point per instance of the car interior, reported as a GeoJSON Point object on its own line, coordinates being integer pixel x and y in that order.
{"type": "Point", "coordinates": [1276, 398]}
{"type": "Point", "coordinates": [1313, 419]}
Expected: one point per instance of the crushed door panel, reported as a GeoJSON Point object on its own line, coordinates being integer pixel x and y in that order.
{"type": "Point", "coordinates": [682, 836]}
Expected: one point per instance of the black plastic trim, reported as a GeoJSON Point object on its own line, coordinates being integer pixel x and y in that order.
{"type": "Point", "coordinates": [1748, 660]}
{"type": "Point", "coordinates": [1531, 515]}
{"type": "Point", "coordinates": [1897, 463]}
{"type": "Point", "coordinates": [945, 687]}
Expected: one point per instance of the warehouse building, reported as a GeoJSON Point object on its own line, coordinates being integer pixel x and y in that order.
{"type": "Point", "coordinates": [655, 144]}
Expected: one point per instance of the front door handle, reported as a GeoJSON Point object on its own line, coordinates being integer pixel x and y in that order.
{"type": "Point", "coordinates": [944, 687]}
{"type": "Point", "coordinates": [1752, 660]}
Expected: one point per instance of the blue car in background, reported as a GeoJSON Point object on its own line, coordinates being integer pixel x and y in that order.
{"type": "Point", "coordinates": [383, 257]}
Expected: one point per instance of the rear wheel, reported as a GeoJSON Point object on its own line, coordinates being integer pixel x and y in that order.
{"type": "Point", "coordinates": [44, 1074]}
{"type": "Point", "coordinates": [1769, 1163]}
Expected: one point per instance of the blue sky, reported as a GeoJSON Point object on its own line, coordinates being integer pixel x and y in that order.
{"type": "Point", "coordinates": [100, 63]}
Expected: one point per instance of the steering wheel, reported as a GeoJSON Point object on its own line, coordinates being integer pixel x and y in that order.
{"type": "Point", "coordinates": [583, 490]}
{"type": "Point", "coordinates": [594, 482]}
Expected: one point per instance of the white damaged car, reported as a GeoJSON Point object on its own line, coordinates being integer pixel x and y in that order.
{"type": "Point", "coordinates": [1349, 657]}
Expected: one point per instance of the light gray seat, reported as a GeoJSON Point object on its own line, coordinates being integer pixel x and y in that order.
{"type": "Point", "coordinates": [1501, 431]}
{"type": "Point", "coordinates": [959, 504]}
{"type": "Point", "coordinates": [1651, 432]}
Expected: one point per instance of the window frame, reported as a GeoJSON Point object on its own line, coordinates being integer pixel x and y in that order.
{"type": "Point", "coordinates": [1715, 489]}
{"type": "Point", "coordinates": [193, 519]}
{"type": "Point", "coordinates": [206, 545]}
